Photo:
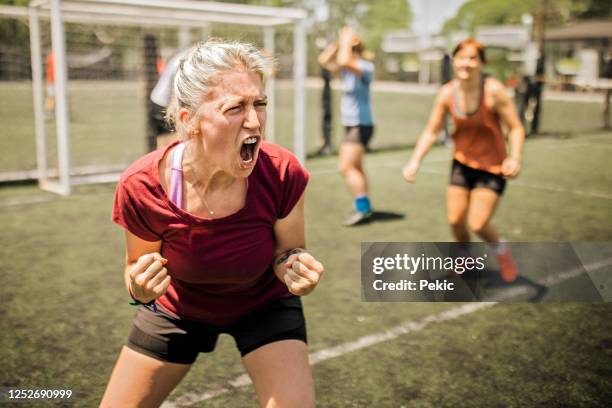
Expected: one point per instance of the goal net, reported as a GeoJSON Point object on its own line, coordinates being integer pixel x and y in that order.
{"type": "Point", "coordinates": [108, 67]}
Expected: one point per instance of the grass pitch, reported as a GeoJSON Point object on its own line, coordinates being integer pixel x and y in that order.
{"type": "Point", "coordinates": [65, 313]}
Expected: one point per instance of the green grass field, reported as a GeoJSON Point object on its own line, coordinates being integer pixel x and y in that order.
{"type": "Point", "coordinates": [65, 314]}
{"type": "Point", "coordinates": [107, 122]}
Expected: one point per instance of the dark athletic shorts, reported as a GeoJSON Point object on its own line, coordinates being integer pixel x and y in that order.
{"type": "Point", "coordinates": [169, 339]}
{"type": "Point", "coordinates": [470, 178]}
{"type": "Point", "coordinates": [358, 134]}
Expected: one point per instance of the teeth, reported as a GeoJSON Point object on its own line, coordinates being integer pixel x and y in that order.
{"type": "Point", "coordinates": [251, 140]}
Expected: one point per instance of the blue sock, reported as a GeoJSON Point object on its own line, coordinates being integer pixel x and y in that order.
{"type": "Point", "coordinates": [362, 204]}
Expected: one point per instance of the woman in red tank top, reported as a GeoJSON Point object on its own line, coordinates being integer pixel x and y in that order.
{"type": "Point", "coordinates": [478, 105]}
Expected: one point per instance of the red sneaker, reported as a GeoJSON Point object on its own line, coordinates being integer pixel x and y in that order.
{"type": "Point", "coordinates": [507, 266]}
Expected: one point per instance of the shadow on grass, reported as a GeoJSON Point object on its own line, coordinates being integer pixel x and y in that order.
{"type": "Point", "coordinates": [380, 216]}
{"type": "Point", "coordinates": [490, 279]}
{"type": "Point", "coordinates": [385, 216]}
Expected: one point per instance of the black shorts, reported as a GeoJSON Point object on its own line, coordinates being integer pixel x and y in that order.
{"type": "Point", "coordinates": [174, 340]}
{"type": "Point", "coordinates": [470, 178]}
{"type": "Point", "coordinates": [358, 134]}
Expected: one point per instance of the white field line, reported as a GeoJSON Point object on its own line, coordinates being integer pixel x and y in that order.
{"type": "Point", "coordinates": [26, 200]}
{"type": "Point", "coordinates": [373, 164]}
{"type": "Point", "coordinates": [432, 89]}
{"type": "Point", "coordinates": [551, 280]}
{"type": "Point", "coordinates": [376, 165]}
{"type": "Point", "coordinates": [398, 165]}
{"type": "Point", "coordinates": [593, 144]}
{"type": "Point", "coordinates": [10, 202]}
{"type": "Point", "coordinates": [545, 187]}
{"type": "Point", "coordinates": [389, 163]}
{"type": "Point", "coordinates": [553, 145]}
{"type": "Point", "coordinates": [376, 338]}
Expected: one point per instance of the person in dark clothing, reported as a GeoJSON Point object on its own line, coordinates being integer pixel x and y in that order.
{"type": "Point", "coordinates": [326, 101]}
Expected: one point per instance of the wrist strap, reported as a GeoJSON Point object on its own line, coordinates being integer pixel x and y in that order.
{"type": "Point", "coordinates": [135, 302]}
{"type": "Point", "coordinates": [282, 258]}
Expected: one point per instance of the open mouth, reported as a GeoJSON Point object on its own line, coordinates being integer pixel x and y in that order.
{"type": "Point", "coordinates": [247, 150]}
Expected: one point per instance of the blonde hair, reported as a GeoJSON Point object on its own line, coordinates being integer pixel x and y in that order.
{"type": "Point", "coordinates": [198, 72]}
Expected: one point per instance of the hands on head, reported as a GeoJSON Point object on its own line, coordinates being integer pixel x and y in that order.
{"type": "Point", "coordinates": [348, 35]}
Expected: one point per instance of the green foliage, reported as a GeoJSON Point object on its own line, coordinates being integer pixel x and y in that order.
{"type": "Point", "coordinates": [383, 16]}
{"type": "Point", "coordinates": [475, 13]}
{"type": "Point", "coordinates": [14, 2]}
{"type": "Point", "coordinates": [14, 33]}
{"type": "Point", "coordinates": [489, 12]}
{"type": "Point", "coordinates": [371, 18]}
{"type": "Point", "coordinates": [596, 9]}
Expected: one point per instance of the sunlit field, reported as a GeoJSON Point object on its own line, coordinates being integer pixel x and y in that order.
{"type": "Point", "coordinates": [65, 312]}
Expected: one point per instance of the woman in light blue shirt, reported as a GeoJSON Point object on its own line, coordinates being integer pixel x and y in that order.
{"type": "Point", "coordinates": [356, 72]}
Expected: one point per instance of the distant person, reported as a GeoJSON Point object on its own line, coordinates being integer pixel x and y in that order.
{"type": "Point", "coordinates": [347, 57]}
{"type": "Point", "coordinates": [50, 88]}
{"type": "Point", "coordinates": [326, 103]}
{"type": "Point", "coordinates": [214, 228]}
{"type": "Point", "coordinates": [522, 96]}
{"type": "Point", "coordinates": [535, 96]}
{"type": "Point", "coordinates": [478, 105]}
{"type": "Point", "coordinates": [446, 75]}
{"type": "Point", "coordinates": [161, 95]}
{"type": "Point", "coordinates": [608, 96]}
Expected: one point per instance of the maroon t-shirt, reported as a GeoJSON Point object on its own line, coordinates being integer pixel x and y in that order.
{"type": "Point", "coordinates": [221, 269]}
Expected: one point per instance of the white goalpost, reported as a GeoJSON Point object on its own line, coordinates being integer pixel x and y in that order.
{"type": "Point", "coordinates": [183, 15]}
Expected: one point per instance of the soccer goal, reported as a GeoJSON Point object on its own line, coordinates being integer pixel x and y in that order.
{"type": "Point", "coordinates": [97, 67]}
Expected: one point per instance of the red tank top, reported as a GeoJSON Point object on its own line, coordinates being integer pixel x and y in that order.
{"type": "Point", "coordinates": [50, 68]}
{"type": "Point", "coordinates": [479, 140]}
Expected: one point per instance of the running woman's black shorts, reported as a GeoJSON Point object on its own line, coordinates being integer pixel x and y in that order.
{"type": "Point", "coordinates": [166, 338]}
{"type": "Point", "coordinates": [359, 134]}
{"type": "Point", "coordinates": [470, 178]}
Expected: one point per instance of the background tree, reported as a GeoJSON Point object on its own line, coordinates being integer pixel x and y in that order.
{"type": "Point", "coordinates": [13, 31]}
{"type": "Point", "coordinates": [476, 13]}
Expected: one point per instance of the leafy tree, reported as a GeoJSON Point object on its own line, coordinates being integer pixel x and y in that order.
{"type": "Point", "coordinates": [592, 9]}
{"type": "Point", "coordinates": [14, 32]}
{"type": "Point", "coordinates": [493, 12]}
{"type": "Point", "coordinates": [371, 18]}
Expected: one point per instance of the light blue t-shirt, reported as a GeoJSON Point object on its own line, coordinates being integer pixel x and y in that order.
{"type": "Point", "coordinates": [355, 107]}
